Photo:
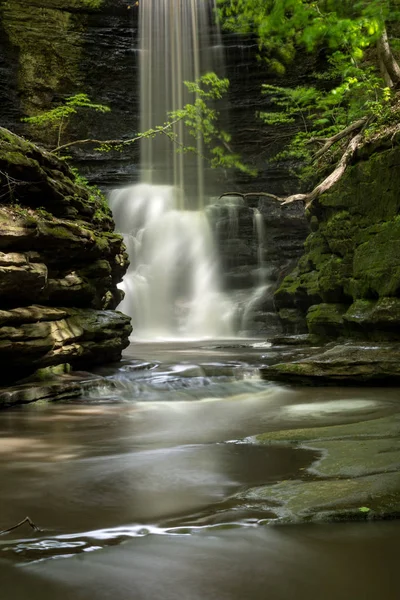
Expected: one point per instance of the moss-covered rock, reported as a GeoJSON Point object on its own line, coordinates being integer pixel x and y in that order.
{"type": "Point", "coordinates": [326, 320]}
{"type": "Point", "coordinates": [343, 364]}
{"type": "Point", "coordinates": [356, 476]}
{"type": "Point", "coordinates": [353, 252]}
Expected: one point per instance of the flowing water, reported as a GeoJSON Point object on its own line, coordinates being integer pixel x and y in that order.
{"type": "Point", "coordinates": [135, 486]}
{"type": "Point", "coordinates": [173, 287]}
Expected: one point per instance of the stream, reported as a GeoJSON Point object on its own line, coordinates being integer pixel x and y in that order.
{"type": "Point", "coordinates": [134, 486]}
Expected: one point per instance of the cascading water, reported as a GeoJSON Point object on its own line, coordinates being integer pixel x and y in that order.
{"type": "Point", "coordinates": [173, 286]}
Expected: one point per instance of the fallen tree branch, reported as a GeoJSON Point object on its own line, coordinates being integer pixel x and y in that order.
{"type": "Point", "coordinates": [26, 520]}
{"type": "Point", "coordinates": [324, 186]}
{"type": "Point", "coordinates": [249, 194]}
{"type": "Point", "coordinates": [328, 142]}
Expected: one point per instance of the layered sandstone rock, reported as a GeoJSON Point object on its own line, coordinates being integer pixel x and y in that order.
{"type": "Point", "coordinates": [60, 263]}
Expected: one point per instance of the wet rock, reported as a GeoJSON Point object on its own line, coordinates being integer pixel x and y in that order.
{"type": "Point", "coordinates": [55, 388]}
{"type": "Point", "coordinates": [356, 476]}
{"type": "Point", "coordinates": [82, 337]}
{"type": "Point", "coordinates": [293, 321]}
{"type": "Point", "coordinates": [326, 320]}
{"type": "Point", "coordinates": [346, 364]}
{"type": "Point", "coordinates": [304, 339]}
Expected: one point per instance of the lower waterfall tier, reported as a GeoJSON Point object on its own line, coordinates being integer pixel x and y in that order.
{"type": "Point", "coordinates": [173, 286]}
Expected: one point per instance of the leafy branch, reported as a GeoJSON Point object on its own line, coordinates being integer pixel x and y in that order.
{"type": "Point", "coordinates": [200, 119]}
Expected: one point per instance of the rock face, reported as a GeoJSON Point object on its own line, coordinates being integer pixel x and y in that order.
{"type": "Point", "coordinates": [60, 262]}
{"type": "Point", "coordinates": [347, 283]}
{"type": "Point", "coordinates": [259, 242]}
{"type": "Point", "coordinates": [50, 49]}
{"type": "Point", "coordinates": [92, 46]}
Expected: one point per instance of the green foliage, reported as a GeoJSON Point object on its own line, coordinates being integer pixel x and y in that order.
{"type": "Point", "coordinates": [59, 116]}
{"type": "Point", "coordinates": [283, 26]}
{"type": "Point", "coordinates": [92, 3]}
{"type": "Point", "coordinates": [322, 113]}
{"type": "Point", "coordinates": [351, 87]}
{"type": "Point", "coordinates": [201, 120]}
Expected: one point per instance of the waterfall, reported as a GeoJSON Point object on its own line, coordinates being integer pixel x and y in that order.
{"type": "Point", "coordinates": [259, 232]}
{"type": "Point", "coordinates": [173, 286]}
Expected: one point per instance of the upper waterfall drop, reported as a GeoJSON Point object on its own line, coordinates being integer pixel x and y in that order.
{"type": "Point", "coordinates": [173, 286]}
{"type": "Point", "coordinates": [178, 42]}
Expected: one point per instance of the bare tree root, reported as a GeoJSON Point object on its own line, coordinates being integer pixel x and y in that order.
{"type": "Point", "coordinates": [324, 186]}
{"type": "Point", "coordinates": [26, 520]}
{"type": "Point", "coordinates": [250, 194]}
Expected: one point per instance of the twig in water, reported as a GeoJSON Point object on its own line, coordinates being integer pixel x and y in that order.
{"type": "Point", "coordinates": [26, 520]}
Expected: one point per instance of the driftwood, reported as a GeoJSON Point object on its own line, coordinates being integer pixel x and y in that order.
{"type": "Point", "coordinates": [26, 520]}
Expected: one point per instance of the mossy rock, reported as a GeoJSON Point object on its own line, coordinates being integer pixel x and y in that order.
{"type": "Point", "coordinates": [343, 364]}
{"type": "Point", "coordinates": [293, 321]}
{"type": "Point", "coordinates": [370, 187]}
{"type": "Point", "coordinates": [326, 320]}
{"type": "Point", "coordinates": [298, 291]}
{"type": "Point", "coordinates": [333, 277]}
{"type": "Point", "coordinates": [374, 319]}
{"type": "Point", "coordinates": [376, 264]}
{"type": "Point", "coordinates": [339, 233]}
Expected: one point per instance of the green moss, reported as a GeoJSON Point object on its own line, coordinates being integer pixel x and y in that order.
{"type": "Point", "coordinates": [376, 267]}
{"type": "Point", "coordinates": [332, 279]}
{"type": "Point", "coordinates": [293, 321]}
{"type": "Point", "coordinates": [326, 320]}
{"type": "Point", "coordinates": [298, 290]}
{"type": "Point", "coordinates": [46, 62]}
{"type": "Point", "coordinates": [374, 319]}
{"type": "Point", "coordinates": [369, 187]}
{"type": "Point", "coordinates": [353, 252]}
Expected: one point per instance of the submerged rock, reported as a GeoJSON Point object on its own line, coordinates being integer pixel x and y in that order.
{"type": "Point", "coordinates": [356, 477]}
{"type": "Point", "coordinates": [54, 387]}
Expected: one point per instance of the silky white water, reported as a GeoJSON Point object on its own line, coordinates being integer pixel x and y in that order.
{"type": "Point", "coordinates": [173, 286]}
